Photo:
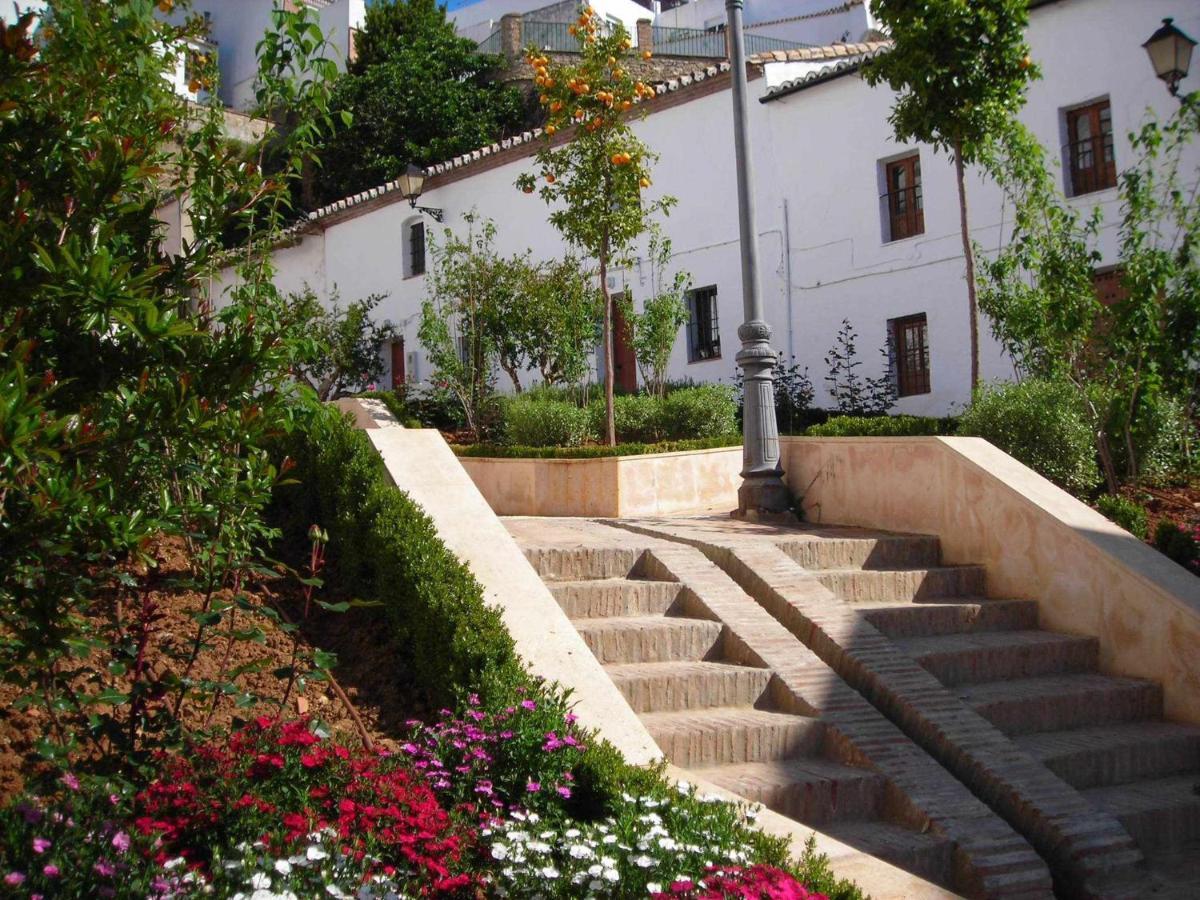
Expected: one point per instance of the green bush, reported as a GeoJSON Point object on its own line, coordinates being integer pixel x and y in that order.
{"type": "Point", "coordinates": [1041, 423]}
{"type": "Point", "coordinates": [1125, 513]}
{"type": "Point", "coordinates": [639, 418]}
{"type": "Point", "coordinates": [1175, 543]}
{"type": "Point", "coordinates": [592, 451]}
{"type": "Point", "coordinates": [1164, 436]}
{"type": "Point", "coordinates": [545, 423]}
{"type": "Point", "coordinates": [882, 426]}
{"type": "Point", "coordinates": [704, 411]}
{"type": "Point", "coordinates": [385, 549]}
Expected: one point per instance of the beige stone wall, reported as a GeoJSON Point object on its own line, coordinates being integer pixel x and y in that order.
{"type": "Point", "coordinates": [650, 485]}
{"type": "Point", "coordinates": [1038, 542]}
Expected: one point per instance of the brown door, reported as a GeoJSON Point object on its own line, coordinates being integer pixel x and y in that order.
{"type": "Point", "coordinates": [624, 359]}
{"type": "Point", "coordinates": [398, 363]}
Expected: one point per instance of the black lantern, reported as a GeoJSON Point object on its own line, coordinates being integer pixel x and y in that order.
{"type": "Point", "coordinates": [1170, 53]}
{"type": "Point", "coordinates": [411, 183]}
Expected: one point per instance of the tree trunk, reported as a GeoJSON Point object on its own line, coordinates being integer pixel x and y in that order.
{"type": "Point", "coordinates": [610, 422]}
{"type": "Point", "coordinates": [969, 257]}
{"type": "Point", "coordinates": [511, 371]}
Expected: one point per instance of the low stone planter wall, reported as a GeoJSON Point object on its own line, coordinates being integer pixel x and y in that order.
{"type": "Point", "coordinates": [1038, 542]}
{"type": "Point", "coordinates": [618, 486]}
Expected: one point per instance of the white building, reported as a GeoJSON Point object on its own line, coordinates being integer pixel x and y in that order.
{"type": "Point", "coordinates": [816, 22]}
{"type": "Point", "coordinates": [480, 20]}
{"type": "Point", "coordinates": [831, 247]}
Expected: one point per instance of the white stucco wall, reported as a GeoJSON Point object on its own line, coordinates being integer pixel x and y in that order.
{"type": "Point", "coordinates": [790, 20]}
{"type": "Point", "coordinates": [817, 153]}
{"type": "Point", "coordinates": [478, 20]}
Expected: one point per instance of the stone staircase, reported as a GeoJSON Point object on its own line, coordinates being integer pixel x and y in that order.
{"type": "Point", "coordinates": [714, 712]}
{"type": "Point", "coordinates": [1103, 735]}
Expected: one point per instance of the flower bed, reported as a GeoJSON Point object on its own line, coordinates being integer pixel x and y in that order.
{"type": "Point", "coordinates": [499, 803]}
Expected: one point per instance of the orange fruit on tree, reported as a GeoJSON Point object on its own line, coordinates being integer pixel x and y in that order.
{"type": "Point", "coordinates": [646, 54]}
{"type": "Point", "coordinates": [550, 130]}
{"type": "Point", "coordinates": [645, 183]}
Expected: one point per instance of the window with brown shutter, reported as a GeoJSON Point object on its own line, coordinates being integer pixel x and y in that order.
{"type": "Point", "coordinates": [910, 346]}
{"type": "Point", "coordinates": [704, 330]}
{"type": "Point", "coordinates": [903, 201]}
{"type": "Point", "coordinates": [1090, 157]}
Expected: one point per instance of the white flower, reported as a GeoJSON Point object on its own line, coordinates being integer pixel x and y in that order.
{"type": "Point", "coordinates": [611, 875]}
{"type": "Point", "coordinates": [517, 836]}
{"type": "Point", "coordinates": [667, 843]}
{"type": "Point", "coordinates": [499, 851]}
{"type": "Point", "coordinates": [260, 881]}
{"type": "Point", "coordinates": [549, 872]}
{"type": "Point", "coordinates": [538, 847]}
{"type": "Point", "coordinates": [643, 862]}
{"type": "Point", "coordinates": [572, 833]}
{"type": "Point", "coordinates": [282, 866]}
{"type": "Point", "coordinates": [683, 787]}
{"type": "Point", "coordinates": [579, 851]}
{"type": "Point", "coordinates": [653, 887]}
{"type": "Point", "coordinates": [314, 853]}
{"type": "Point", "coordinates": [595, 885]}
{"type": "Point", "coordinates": [334, 891]}
{"type": "Point", "coordinates": [174, 863]}
{"type": "Point", "coordinates": [609, 839]}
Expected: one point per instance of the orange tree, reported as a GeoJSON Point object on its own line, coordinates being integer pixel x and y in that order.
{"type": "Point", "coordinates": [596, 179]}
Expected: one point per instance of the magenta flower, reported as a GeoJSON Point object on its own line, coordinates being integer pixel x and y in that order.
{"type": "Point", "coordinates": [528, 704]}
{"type": "Point", "coordinates": [533, 787]}
{"type": "Point", "coordinates": [14, 878]}
{"type": "Point", "coordinates": [70, 781]}
{"type": "Point", "coordinates": [104, 868]}
{"type": "Point", "coordinates": [564, 792]}
{"type": "Point", "coordinates": [41, 845]}
{"type": "Point", "coordinates": [50, 871]}
{"type": "Point", "coordinates": [121, 841]}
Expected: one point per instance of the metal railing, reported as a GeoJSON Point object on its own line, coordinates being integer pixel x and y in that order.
{"type": "Point", "coordinates": [904, 209]}
{"type": "Point", "coordinates": [549, 36]}
{"type": "Point", "coordinates": [1092, 164]}
{"type": "Point", "coordinates": [711, 44]}
{"type": "Point", "coordinates": [491, 43]}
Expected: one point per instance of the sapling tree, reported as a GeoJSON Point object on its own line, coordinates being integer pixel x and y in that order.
{"type": "Point", "coordinates": [960, 70]}
{"type": "Point", "coordinates": [596, 182]}
{"type": "Point", "coordinates": [854, 394]}
{"type": "Point", "coordinates": [654, 328]}
{"type": "Point", "coordinates": [350, 339]}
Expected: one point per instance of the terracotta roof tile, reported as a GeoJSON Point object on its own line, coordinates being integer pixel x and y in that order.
{"type": "Point", "coordinates": [843, 66]}
{"type": "Point", "coordinates": [815, 54]}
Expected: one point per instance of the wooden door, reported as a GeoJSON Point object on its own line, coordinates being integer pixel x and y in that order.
{"type": "Point", "coordinates": [398, 363]}
{"type": "Point", "coordinates": [624, 359]}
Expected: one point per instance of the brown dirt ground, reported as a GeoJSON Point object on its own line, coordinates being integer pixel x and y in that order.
{"type": "Point", "coordinates": [1178, 503]}
{"type": "Point", "coordinates": [368, 670]}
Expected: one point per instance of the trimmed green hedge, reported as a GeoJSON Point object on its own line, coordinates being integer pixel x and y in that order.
{"type": "Point", "coordinates": [386, 549]}
{"type": "Point", "coordinates": [882, 426]}
{"type": "Point", "coordinates": [506, 451]}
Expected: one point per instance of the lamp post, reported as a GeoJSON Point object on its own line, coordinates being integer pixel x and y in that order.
{"type": "Point", "coordinates": [412, 182]}
{"type": "Point", "coordinates": [1170, 52]}
{"type": "Point", "coordinates": [762, 491]}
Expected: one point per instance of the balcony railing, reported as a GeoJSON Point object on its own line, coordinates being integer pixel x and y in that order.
{"type": "Point", "coordinates": [549, 36]}
{"type": "Point", "coordinates": [1092, 164]}
{"type": "Point", "coordinates": [711, 44]}
{"type": "Point", "coordinates": [491, 43]}
{"type": "Point", "coordinates": [904, 210]}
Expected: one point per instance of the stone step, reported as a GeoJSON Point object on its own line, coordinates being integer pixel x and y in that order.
{"type": "Point", "coordinates": [992, 655]}
{"type": "Point", "coordinates": [903, 585]}
{"type": "Point", "coordinates": [810, 790]}
{"type": "Point", "coordinates": [1060, 702]}
{"type": "Point", "coordinates": [900, 620]}
{"type": "Point", "coordinates": [925, 854]}
{"type": "Point", "coordinates": [722, 736]}
{"type": "Point", "coordinates": [1162, 815]}
{"type": "Point", "coordinates": [596, 599]}
{"type": "Point", "coordinates": [871, 551]}
{"type": "Point", "coordinates": [576, 563]}
{"type": "Point", "coordinates": [673, 686]}
{"type": "Point", "coordinates": [637, 639]}
{"type": "Point", "coordinates": [1114, 754]}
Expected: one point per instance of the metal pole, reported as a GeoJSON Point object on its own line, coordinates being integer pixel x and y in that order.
{"type": "Point", "coordinates": [762, 489]}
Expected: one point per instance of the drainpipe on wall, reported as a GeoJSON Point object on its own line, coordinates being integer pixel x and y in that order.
{"type": "Point", "coordinates": [787, 279]}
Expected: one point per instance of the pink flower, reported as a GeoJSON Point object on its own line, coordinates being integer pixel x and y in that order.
{"type": "Point", "coordinates": [533, 787]}
{"type": "Point", "coordinates": [121, 841]}
{"type": "Point", "coordinates": [14, 878]}
{"type": "Point", "coordinates": [50, 871]}
{"type": "Point", "coordinates": [41, 845]}
{"type": "Point", "coordinates": [564, 792]}
{"type": "Point", "coordinates": [70, 781]}
{"type": "Point", "coordinates": [105, 868]}
{"type": "Point", "coordinates": [528, 704]}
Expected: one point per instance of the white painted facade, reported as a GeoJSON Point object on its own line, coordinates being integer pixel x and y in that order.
{"type": "Point", "coordinates": [823, 251]}
{"type": "Point", "coordinates": [815, 22]}
{"type": "Point", "coordinates": [478, 20]}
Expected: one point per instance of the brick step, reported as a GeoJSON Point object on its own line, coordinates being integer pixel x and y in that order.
{"type": "Point", "coordinates": [925, 619]}
{"type": "Point", "coordinates": [1114, 754]}
{"type": "Point", "coordinates": [925, 854]}
{"type": "Point", "coordinates": [673, 686]}
{"type": "Point", "coordinates": [638, 639]}
{"type": "Point", "coordinates": [992, 655]}
{"type": "Point", "coordinates": [600, 598]}
{"type": "Point", "coordinates": [810, 790]}
{"type": "Point", "coordinates": [576, 563]}
{"type": "Point", "coordinates": [868, 551]}
{"type": "Point", "coordinates": [1162, 815]}
{"type": "Point", "coordinates": [903, 585]}
{"type": "Point", "coordinates": [732, 735]}
{"type": "Point", "coordinates": [1060, 702]}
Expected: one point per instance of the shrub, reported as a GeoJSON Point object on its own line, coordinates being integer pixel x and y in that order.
{"type": "Point", "coordinates": [592, 451]}
{"type": "Point", "coordinates": [385, 549]}
{"type": "Point", "coordinates": [1125, 513]}
{"type": "Point", "coordinates": [1179, 546]}
{"type": "Point", "coordinates": [882, 426]}
{"type": "Point", "coordinates": [545, 423]}
{"type": "Point", "coordinates": [639, 417]}
{"type": "Point", "coordinates": [1042, 424]}
{"type": "Point", "coordinates": [704, 411]}
{"type": "Point", "coordinates": [429, 407]}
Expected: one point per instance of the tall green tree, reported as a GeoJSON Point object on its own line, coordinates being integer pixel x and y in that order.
{"type": "Point", "coordinates": [417, 93]}
{"type": "Point", "coordinates": [960, 69]}
{"type": "Point", "coordinates": [596, 181]}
